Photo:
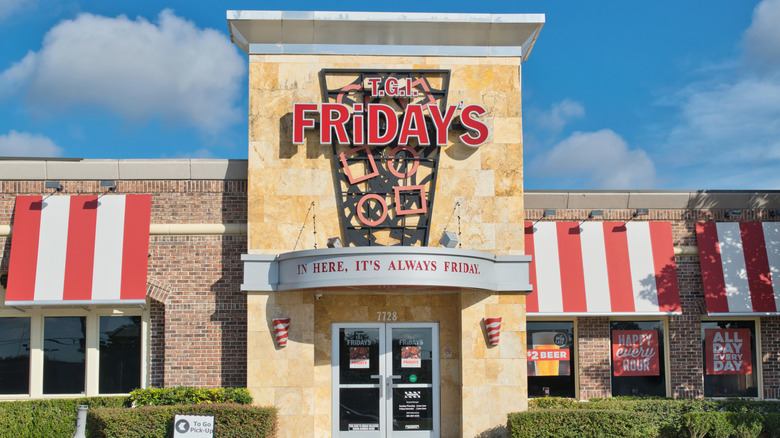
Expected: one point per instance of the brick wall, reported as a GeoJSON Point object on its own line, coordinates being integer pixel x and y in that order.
{"type": "Point", "coordinates": [198, 314]}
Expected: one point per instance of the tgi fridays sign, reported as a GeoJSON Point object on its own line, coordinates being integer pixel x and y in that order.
{"type": "Point", "coordinates": [635, 353]}
{"type": "Point", "coordinates": [386, 129]}
{"type": "Point", "coordinates": [728, 351]}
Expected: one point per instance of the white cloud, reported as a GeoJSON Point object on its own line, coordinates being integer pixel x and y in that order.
{"type": "Point", "coordinates": [170, 70]}
{"type": "Point", "coordinates": [762, 38]}
{"type": "Point", "coordinates": [24, 144]}
{"type": "Point", "coordinates": [560, 114]}
{"type": "Point", "coordinates": [728, 134]}
{"type": "Point", "coordinates": [600, 160]}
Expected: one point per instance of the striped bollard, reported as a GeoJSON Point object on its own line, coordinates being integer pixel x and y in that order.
{"type": "Point", "coordinates": [493, 327]}
{"type": "Point", "coordinates": [281, 326]}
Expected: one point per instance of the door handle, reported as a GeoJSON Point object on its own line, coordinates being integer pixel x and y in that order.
{"type": "Point", "coordinates": [381, 389]}
{"type": "Point", "coordinates": [390, 381]}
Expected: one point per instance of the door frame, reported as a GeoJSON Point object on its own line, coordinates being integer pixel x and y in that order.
{"type": "Point", "coordinates": [385, 384]}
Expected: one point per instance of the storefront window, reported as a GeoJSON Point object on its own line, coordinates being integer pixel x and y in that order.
{"type": "Point", "coordinates": [120, 354]}
{"type": "Point", "coordinates": [729, 358]}
{"type": "Point", "coordinates": [14, 355]}
{"type": "Point", "coordinates": [638, 366]}
{"type": "Point", "coordinates": [64, 354]}
{"type": "Point", "coordinates": [550, 355]}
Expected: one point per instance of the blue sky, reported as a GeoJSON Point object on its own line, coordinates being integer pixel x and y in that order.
{"type": "Point", "coordinates": [616, 94]}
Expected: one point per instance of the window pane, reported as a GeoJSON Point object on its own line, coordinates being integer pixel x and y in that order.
{"type": "Point", "coordinates": [64, 355]}
{"type": "Point", "coordinates": [551, 361]}
{"type": "Point", "coordinates": [14, 355]}
{"type": "Point", "coordinates": [729, 358]}
{"type": "Point", "coordinates": [638, 358]}
{"type": "Point", "coordinates": [120, 354]}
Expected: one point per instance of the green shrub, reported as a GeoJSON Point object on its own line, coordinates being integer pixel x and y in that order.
{"type": "Point", "coordinates": [772, 425]}
{"type": "Point", "coordinates": [746, 424]}
{"type": "Point", "coordinates": [230, 421]}
{"type": "Point", "coordinates": [47, 418]}
{"type": "Point", "coordinates": [182, 395]}
{"type": "Point", "coordinates": [712, 424]}
{"type": "Point", "coordinates": [550, 403]}
{"type": "Point", "coordinates": [580, 423]}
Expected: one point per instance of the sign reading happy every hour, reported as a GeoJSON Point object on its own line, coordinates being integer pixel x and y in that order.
{"type": "Point", "coordinates": [635, 353]}
{"type": "Point", "coordinates": [728, 351]}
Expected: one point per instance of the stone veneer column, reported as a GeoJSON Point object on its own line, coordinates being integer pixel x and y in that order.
{"type": "Point", "coordinates": [494, 377]}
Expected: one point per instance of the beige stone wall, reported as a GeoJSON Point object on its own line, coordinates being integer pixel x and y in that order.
{"type": "Point", "coordinates": [289, 184]}
{"type": "Point", "coordinates": [285, 179]}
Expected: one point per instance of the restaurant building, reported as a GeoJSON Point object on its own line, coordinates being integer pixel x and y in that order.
{"type": "Point", "coordinates": [375, 268]}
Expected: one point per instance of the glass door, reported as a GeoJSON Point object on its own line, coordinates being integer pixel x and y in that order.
{"type": "Point", "coordinates": [386, 380]}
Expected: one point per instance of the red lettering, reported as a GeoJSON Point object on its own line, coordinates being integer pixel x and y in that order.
{"type": "Point", "coordinates": [334, 116]}
{"type": "Point", "coordinates": [414, 116]}
{"type": "Point", "coordinates": [442, 123]}
{"type": "Point", "coordinates": [391, 86]}
{"type": "Point", "coordinates": [357, 124]}
{"type": "Point", "coordinates": [374, 112]}
{"type": "Point", "coordinates": [473, 125]}
{"type": "Point", "coordinates": [374, 82]}
{"type": "Point", "coordinates": [300, 122]}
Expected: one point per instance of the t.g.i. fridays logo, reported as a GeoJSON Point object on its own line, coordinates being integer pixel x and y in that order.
{"type": "Point", "coordinates": [386, 128]}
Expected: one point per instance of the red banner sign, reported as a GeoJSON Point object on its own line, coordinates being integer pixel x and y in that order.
{"type": "Point", "coordinates": [728, 351]}
{"type": "Point", "coordinates": [635, 353]}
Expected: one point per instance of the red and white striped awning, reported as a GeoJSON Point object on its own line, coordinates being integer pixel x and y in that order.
{"type": "Point", "coordinates": [740, 266]}
{"type": "Point", "coordinates": [602, 268]}
{"type": "Point", "coordinates": [79, 250]}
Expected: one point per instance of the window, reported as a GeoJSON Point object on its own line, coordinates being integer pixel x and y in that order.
{"type": "Point", "coordinates": [14, 355]}
{"type": "Point", "coordinates": [120, 354]}
{"type": "Point", "coordinates": [638, 358]}
{"type": "Point", "coordinates": [729, 358]}
{"type": "Point", "coordinates": [64, 354]}
{"type": "Point", "coordinates": [550, 356]}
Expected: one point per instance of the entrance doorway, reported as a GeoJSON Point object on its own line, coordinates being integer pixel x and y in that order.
{"type": "Point", "coordinates": [385, 380]}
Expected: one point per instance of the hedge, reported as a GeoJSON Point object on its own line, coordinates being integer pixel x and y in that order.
{"type": "Point", "coordinates": [556, 423]}
{"type": "Point", "coordinates": [668, 414]}
{"type": "Point", "coordinates": [231, 420]}
{"type": "Point", "coordinates": [47, 418]}
{"type": "Point", "coordinates": [184, 395]}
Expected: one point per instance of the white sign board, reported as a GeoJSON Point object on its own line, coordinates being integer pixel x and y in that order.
{"type": "Point", "coordinates": [193, 426]}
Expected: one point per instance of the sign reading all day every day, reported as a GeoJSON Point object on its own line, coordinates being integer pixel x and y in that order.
{"type": "Point", "coordinates": [635, 353]}
{"type": "Point", "coordinates": [728, 351]}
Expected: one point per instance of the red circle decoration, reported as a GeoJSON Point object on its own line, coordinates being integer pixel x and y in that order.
{"type": "Point", "coordinates": [365, 220]}
{"type": "Point", "coordinates": [414, 166]}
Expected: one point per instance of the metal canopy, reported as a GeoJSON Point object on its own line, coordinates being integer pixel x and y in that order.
{"type": "Point", "coordinates": [384, 33]}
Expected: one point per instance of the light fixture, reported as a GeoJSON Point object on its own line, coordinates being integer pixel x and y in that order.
{"type": "Point", "coordinates": [730, 213]}
{"type": "Point", "coordinates": [549, 213]}
{"type": "Point", "coordinates": [493, 328]}
{"type": "Point", "coordinates": [448, 239]}
{"type": "Point", "coordinates": [56, 185]}
{"type": "Point", "coordinates": [4, 280]}
{"type": "Point", "coordinates": [281, 327]}
{"type": "Point", "coordinates": [594, 213]}
{"type": "Point", "coordinates": [335, 242]}
{"type": "Point", "coordinates": [640, 212]}
{"type": "Point", "coordinates": [108, 184]}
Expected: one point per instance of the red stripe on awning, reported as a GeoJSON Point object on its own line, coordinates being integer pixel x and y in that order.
{"type": "Point", "coordinates": [595, 261]}
{"type": "Point", "coordinates": [737, 261]}
{"type": "Point", "coordinates": [665, 267]}
{"type": "Point", "coordinates": [573, 280]}
{"type": "Point", "coordinates": [71, 280]}
{"type": "Point", "coordinates": [618, 268]}
{"type": "Point", "coordinates": [24, 248]}
{"type": "Point", "coordinates": [532, 299]}
{"type": "Point", "coordinates": [757, 267]}
{"type": "Point", "coordinates": [136, 247]}
{"type": "Point", "coordinates": [81, 248]}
